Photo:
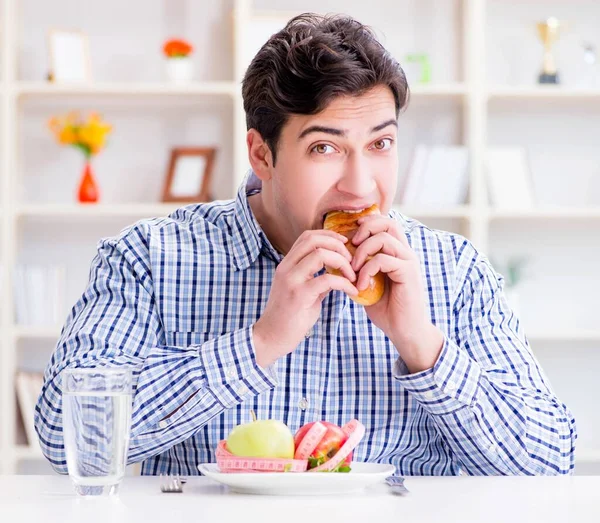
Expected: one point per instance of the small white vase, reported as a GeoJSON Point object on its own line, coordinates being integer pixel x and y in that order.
{"type": "Point", "coordinates": [179, 70]}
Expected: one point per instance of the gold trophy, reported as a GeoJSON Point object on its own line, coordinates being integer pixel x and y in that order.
{"type": "Point", "coordinates": [549, 31]}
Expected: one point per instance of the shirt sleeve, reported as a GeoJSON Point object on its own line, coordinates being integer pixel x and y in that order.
{"type": "Point", "coordinates": [487, 393]}
{"type": "Point", "coordinates": [177, 390]}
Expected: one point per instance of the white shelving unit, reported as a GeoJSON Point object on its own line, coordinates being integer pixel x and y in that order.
{"type": "Point", "coordinates": [134, 211]}
{"type": "Point", "coordinates": [465, 94]}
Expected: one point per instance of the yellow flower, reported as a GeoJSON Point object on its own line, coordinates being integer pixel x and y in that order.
{"type": "Point", "coordinates": [89, 136]}
{"type": "Point", "coordinates": [67, 135]}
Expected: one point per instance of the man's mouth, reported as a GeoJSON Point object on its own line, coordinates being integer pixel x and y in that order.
{"type": "Point", "coordinates": [346, 210]}
{"type": "Point", "coordinates": [355, 211]}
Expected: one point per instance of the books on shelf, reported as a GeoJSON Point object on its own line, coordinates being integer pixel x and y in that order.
{"type": "Point", "coordinates": [28, 387]}
{"type": "Point", "coordinates": [509, 177]}
{"type": "Point", "coordinates": [39, 294]}
{"type": "Point", "coordinates": [438, 176]}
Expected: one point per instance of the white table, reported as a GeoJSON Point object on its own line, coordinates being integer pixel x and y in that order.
{"type": "Point", "coordinates": [41, 499]}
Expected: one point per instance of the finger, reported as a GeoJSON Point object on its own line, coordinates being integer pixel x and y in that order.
{"type": "Point", "coordinates": [311, 241]}
{"type": "Point", "coordinates": [381, 242]}
{"type": "Point", "coordinates": [396, 269]}
{"type": "Point", "coordinates": [373, 224]}
{"type": "Point", "coordinates": [316, 260]}
{"type": "Point", "coordinates": [320, 286]}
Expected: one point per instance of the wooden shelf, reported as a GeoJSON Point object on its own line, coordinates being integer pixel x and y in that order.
{"type": "Point", "coordinates": [588, 455]}
{"type": "Point", "coordinates": [576, 335]}
{"type": "Point", "coordinates": [33, 89]}
{"type": "Point", "coordinates": [439, 90]}
{"type": "Point", "coordinates": [459, 211]}
{"type": "Point", "coordinates": [36, 333]}
{"type": "Point", "coordinates": [122, 210]}
{"type": "Point", "coordinates": [549, 92]}
{"type": "Point", "coordinates": [544, 213]}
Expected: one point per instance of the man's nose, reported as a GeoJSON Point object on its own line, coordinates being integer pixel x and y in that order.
{"type": "Point", "coordinates": [357, 179]}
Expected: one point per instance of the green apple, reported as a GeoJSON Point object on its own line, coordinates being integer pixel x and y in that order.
{"type": "Point", "coordinates": [262, 439]}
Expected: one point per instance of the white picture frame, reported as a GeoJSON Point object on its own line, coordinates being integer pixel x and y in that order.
{"type": "Point", "coordinates": [256, 31]}
{"type": "Point", "coordinates": [438, 176]}
{"type": "Point", "coordinates": [69, 55]}
{"type": "Point", "coordinates": [509, 180]}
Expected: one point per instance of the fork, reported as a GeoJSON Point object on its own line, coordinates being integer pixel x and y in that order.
{"type": "Point", "coordinates": [171, 484]}
{"type": "Point", "coordinates": [396, 484]}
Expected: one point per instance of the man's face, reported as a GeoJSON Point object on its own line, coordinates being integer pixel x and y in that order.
{"type": "Point", "coordinates": [344, 158]}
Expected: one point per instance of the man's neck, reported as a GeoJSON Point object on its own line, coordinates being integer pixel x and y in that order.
{"type": "Point", "coordinates": [267, 222]}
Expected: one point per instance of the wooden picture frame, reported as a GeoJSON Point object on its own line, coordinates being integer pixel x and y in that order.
{"type": "Point", "coordinates": [69, 54]}
{"type": "Point", "coordinates": [189, 175]}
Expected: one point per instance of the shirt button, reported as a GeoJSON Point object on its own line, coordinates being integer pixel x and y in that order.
{"type": "Point", "coordinates": [243, 390]}
{"type": "Point", "coordinates": [162, 424]}
{"type": "Point", "coordinates": [303, 404]}
{"type": "Point", "coordinates": [429, 394]}
{"type": "Point", "coordinates": [451, 385]}
{"type": "Point", "coordinates": [231, 372]}
{"type": "Point", "coordinates": [493, 448]}
{"type": "Point", "coordinates": [309, 334]}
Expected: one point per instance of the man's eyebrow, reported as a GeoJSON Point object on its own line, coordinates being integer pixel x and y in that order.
{"type": "Point", "coordinates": [384, 125]}
{"type": "Point", "coordinates": [341, 132]}
{"type": "Point", "coordinates": [321, 129]}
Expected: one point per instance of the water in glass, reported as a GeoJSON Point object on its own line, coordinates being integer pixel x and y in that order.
{"type": "Point", "coordinates": [96, 424]}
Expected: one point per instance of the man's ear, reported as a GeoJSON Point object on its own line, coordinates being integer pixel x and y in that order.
{"type": "Point", "coordinates": [259, 154]}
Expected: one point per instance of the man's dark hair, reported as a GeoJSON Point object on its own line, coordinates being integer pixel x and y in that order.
{"type": "Point", "coordinates": [312, 60]}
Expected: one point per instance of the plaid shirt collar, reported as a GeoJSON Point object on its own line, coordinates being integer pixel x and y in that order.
{"type": "Point", "coordinates": [249, 240]}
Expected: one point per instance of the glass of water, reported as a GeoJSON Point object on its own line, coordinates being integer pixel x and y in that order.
{"type": "Point", "coordinates": [96, 425]}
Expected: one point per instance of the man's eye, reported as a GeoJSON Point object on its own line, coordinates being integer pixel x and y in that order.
{"type": "Point", "coordinates": [322, 148]}
{"type": "Point", "coordinates": [383, 145]}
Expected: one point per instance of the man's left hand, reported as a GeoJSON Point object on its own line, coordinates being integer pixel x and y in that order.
{"type": "Point", "coordinates": [401, 312]}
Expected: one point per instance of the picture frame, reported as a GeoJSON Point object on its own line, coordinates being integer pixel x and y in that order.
{"type": "Point", "coordinates": [69, 54]}
{"type": "Point", "coordinates": [256, 29]}
{"type": "Point", "coordinates": [509, 178]}
{"type": "Point", "coordinates": [189, 175]}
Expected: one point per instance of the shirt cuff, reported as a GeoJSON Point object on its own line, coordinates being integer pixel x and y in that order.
{"type": "Point", "coordinates": [232, 372]}
{"type": "Point", "coordinates": [451, 384]}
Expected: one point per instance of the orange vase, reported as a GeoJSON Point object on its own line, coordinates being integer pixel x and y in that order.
{"type": "Point", "coordinates": [88, 190]}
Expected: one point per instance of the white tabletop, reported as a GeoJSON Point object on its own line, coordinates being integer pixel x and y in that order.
{"type": "Point", "coordinates": [42, 499]}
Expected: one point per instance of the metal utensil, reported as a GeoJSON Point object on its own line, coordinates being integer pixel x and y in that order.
{"type": "Point", "coordinates": [171, 484]}
{"type": "Point", "coordinates": [396, 484]}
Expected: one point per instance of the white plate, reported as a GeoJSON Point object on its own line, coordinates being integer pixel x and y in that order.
{"type": "Point", "coordinates": [300, 483]}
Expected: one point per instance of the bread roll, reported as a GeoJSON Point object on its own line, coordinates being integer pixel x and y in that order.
{"type": "Point", "coordinates": [345, 223]}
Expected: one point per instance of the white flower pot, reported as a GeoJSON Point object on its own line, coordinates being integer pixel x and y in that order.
{"type": "Point", "coordinates": [179, 70]}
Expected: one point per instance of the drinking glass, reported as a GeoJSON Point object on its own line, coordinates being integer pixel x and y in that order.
{"type": "Point", "coordinates": [96, 425]}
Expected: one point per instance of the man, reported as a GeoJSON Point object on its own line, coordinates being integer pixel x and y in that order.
{"type": "Point", "coordinates": [226, 307]}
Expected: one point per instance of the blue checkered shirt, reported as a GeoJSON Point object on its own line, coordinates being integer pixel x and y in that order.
{"type": "Point", "coordinates": [175, 299]}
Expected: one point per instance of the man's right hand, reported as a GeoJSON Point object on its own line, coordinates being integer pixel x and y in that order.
{"type": "Point", "coordinates": [294, 303]}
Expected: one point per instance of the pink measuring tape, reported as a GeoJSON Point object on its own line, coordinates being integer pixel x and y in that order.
{"type": "Point", "coordinates": [229, 463]}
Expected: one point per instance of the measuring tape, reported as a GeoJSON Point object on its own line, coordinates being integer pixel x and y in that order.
{"type": "Point", "coordinates": [230, 463]}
